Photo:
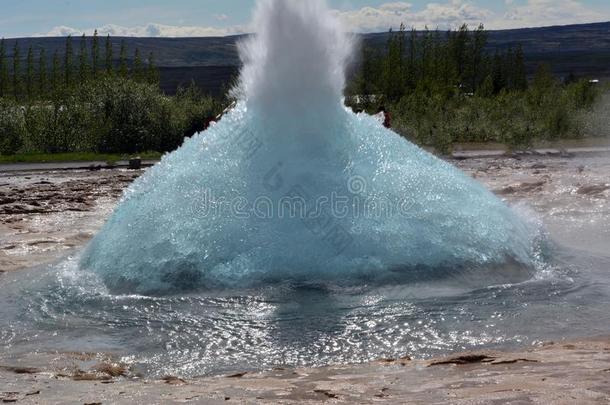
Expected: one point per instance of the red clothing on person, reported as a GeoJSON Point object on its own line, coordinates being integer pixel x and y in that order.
{"type": "Point", "coordinates": [387, 119]}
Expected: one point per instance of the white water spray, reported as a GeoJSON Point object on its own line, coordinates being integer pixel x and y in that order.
{"type": "Point", "coordinates": [296, 60]}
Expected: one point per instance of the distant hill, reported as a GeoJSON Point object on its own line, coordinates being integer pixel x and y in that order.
{"type": "Point", "coordinates": [581, 49]}
{"type": "Point", "coordinates": [211, 62]}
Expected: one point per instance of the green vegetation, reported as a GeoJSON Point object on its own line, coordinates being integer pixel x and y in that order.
{"type": "Point", "coordinates": [86, 104]}
{"type": "Point", "coordinates": [441, 88]}
{"type": "Point", "coordinates": [445, 88]}
{"type": "Point", "coordinates": [75, 157]}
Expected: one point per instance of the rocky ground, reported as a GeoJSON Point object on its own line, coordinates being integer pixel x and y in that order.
{"type": "Point", "coordinates": [554, 373]}
{"type": "Point", "coordinates": [46, 214]}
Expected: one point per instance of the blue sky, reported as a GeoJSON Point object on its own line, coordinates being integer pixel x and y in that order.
{"type": "Point", "coordinates": [223, 17]}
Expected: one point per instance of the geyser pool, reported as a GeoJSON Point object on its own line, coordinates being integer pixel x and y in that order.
{"type": "Point", "coordinates": [292, 187]}
{"type": "Point", "coordinates": [388, 273]}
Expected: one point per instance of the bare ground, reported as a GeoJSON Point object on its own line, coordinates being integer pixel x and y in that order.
{"type": "Point", "coordinates": [555, 373]}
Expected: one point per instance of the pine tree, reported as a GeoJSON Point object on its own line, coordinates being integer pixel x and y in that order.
{"type": "Point", "coordinates": [411, 67]}
{"type": "Point", "coordinates": [393, 70]}
{"type": "Point", "coordinates": [486, 89]}
{"type": "Point", "coordinates": [519, 71]}
{"type": "Point", "coordinates": [138, 66]}
{"type": "Point", "coordinates": [498, 73]}
{"type": "Point", "coordinates": [55, 72]}
{"type": "Point", "coordinates": [4, 77]}
{"type": "Point", "coordinates": [509, 68]}
{"type": "Point", "coordinates": [479, 41]}
{"type": "Point", "coordinates": [543, 79]}
{"type": "Point", "coordinates": [123, 60]}
{"type": "Point", "coordinates": [83, 65]}
{"type": "Point", "coordinates": [108, 62]}
{"type": "Point", "coordinates": [95, 54]}
{"type": "Point", "coordinates": [152, 72]}
{"type": "Point", "coordinates": [458, 46]}
{"type": "Point", "coordinates": [16, 71]}
{"type": "Point", "coordinates": [29, 74]}
{"type": "Point", "coordinates": [426, 56]}
{"type": "Point", "coordinates": [68, 62]}
{"type": "Point", "coordinates": [42, 72]}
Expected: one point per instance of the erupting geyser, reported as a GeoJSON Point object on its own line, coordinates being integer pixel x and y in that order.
{"type": "Point", "coordinates": [292, 187]}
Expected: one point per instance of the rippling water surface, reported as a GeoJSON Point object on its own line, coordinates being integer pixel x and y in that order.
{"type": "Point", "coordinates": [66, 310]}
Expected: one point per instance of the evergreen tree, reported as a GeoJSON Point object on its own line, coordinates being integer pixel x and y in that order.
{"type": "Point", "coordinates": [29, 74]}
{"type": "Point", "coordinates": [368, 76]}
{"type": "Point", "coordinates": [448, 69]}
{"type": "Point", "coordinates": [152, 72]}
{"type": "Point", "coordinates": [411, 67]}
{"type": "Point", "coordinates": [138, 66]}
{"type": "Point", "coordinates": [4, 76]}
{"type": "Point", "coordinates": [42, 72]}
{"type": "Point", "coordinates": [83, 63]}
{"type": "Point", "coordinates": [520, 72]}
{"type": "Point", "coordinates": [543, 79]}
{"type": "Point", "coordinates": [95, 54]}
{"type": "Point", "coordinates": [498, 73]}
{"type": "Point", "coordinates": [108, 62]}
{"type": "Point", "coordinates": [486, 89]}
{"type": "Point", "coordinates": [55, 72]}
{"type": "Point", "coordinates": [393, 69]}
{"type": "Point", "coordinates": [426, 68]}
{"type": "Point", "coordinates": [479, 42]}
{"type": "Point", "coordinates": [509, 69]}
{"type": "Point", "coordinates": [458, 47]}
{"type": "Point", "coordinates": [69, 62]}
{"type": "Point", "coordinates": [16, 71]}
{"type": "Point", "coordinates": [123, 60]}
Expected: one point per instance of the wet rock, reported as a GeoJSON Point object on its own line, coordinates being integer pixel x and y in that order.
{"type": "Point", "coordinates": [113, 370]}
{"type": "Point", "coordinates": [513, 361]}
{"type": "Point", "coordinates": [21, 370]}
{"type": "Point", "coordinates": [327, 393]}
{"type": "Point", "coordinates": [84, 376]}
{"type": "Point", "coordinates": [522, 188]}
{"type": "Point", "coordinates": [135, 163]}
{"type": "Point", "coordinates": [593, 189]}
{"type": "Point", "coordinates": [237, 375]}
{"type": "Point", "coordinates": [171, 380]}
{"type": "Point", "coordinates": [468, 358]}
{"type": "Point", "coordinates": [9, 397]}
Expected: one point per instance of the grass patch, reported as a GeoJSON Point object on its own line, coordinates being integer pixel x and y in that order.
{"type": "Point", "coordinates": [74, 157]}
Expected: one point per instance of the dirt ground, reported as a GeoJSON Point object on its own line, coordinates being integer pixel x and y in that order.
{"type": "Point", "coordinates": [554, 373]}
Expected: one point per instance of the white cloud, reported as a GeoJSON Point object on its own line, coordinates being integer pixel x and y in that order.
{"type": "Point", "coordinates": [150, 30]}
{"type": "Point", "coordinates": [537, 13]}
{"type": "Point", "coordinates": [450, 14]}
{"type": "Point", "coordinates": [442, 14]}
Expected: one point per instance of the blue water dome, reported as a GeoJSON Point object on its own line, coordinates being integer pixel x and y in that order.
{"type": "Point", "coordinates": [292, 187]}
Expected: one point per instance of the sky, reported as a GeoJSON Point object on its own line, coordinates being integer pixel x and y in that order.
{"type": "Point", "coordinates": [182, 18]}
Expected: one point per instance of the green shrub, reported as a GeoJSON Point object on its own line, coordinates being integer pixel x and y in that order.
{"type": "Point", "coordinates": [12, 128]}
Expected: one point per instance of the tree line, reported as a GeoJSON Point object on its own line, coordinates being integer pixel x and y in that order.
{"type": "Point", "coordinates": [36, 74]}
{"type": "Point", "coordinates": [448, 87]}
{"type": "Point", "coordinates": [93, 100]}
